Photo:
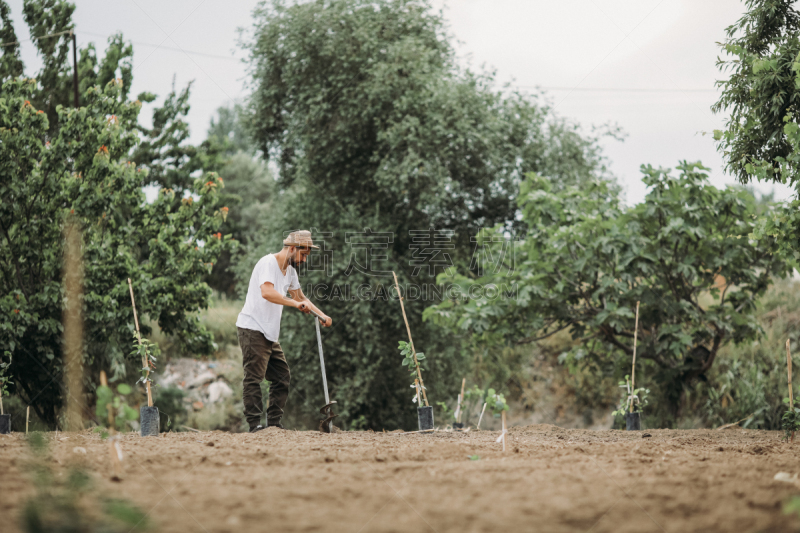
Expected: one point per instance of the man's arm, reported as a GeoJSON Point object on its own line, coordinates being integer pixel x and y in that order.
{"type": "Point", "coordinates": [300, 297]}
{"type": "Point", "coordinates": [269, 293]}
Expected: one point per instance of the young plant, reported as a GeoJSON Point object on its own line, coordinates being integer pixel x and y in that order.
{"type": "Point", "coordinates": [496, 403]}
{"type": "Point", "coordinates": [5, 381]}
{"type": "Point", "coordinates": [113, 409]}
{"type": "Point", "coordinates": [149, 352]}
{"type": "Point", "coordinates": [631, 397]}
{"type": "Point", "coordinates": [790, 421]}
{"type": "Point", "coordinates": [413, 365]}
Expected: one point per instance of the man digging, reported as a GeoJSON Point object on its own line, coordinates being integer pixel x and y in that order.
{"type": "Point", "coordinates": [259, 324]}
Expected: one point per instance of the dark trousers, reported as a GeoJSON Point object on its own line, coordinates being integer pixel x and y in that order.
{"type": "Point", "coordinates": [262, 359]}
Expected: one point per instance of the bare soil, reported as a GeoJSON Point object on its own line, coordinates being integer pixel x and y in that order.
{"type": "Point", "coordinates": [549, 479]}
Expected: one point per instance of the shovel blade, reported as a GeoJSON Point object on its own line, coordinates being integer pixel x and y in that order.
{"type": "Point", "coordinates": [326, 425]}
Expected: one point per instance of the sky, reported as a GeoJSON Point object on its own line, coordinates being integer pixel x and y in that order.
{"type": "Point", "coordinates": [647, 66]}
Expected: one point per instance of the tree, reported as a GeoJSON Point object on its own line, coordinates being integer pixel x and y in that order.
{"type": "Point", "coordinates": [761, 92]}
{"type": "Point", "coordinates": [376, 132]}
{"type": "Point", "coordinates": [79, 166]}
{"type": "Point", "coordinates": [762, 135]}
{"type": "Point", "coordinates": [231, 126]}
{"type": "Point", "coordinates": [585, 261]}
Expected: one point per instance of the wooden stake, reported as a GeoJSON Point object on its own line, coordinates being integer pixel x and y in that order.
{"type": "Point", "coordinates": [461, 399]}
{"type": "Point", "coordinates": [789, 371]}
{"type": "Point", "coordinates": [633, 367]}
{"type": "Point", "coordinates": [27, 417]}
{"type": "Point", "coordinates": [1, 404]}
{"type": "Point", "coordinates": [503, 415]}
{"type": "Point", "coordinates": [410, 340]}
{"type": "Point", "coordinates": [481, 417]}
{"type": "Point", "coordinates": [145, 362]}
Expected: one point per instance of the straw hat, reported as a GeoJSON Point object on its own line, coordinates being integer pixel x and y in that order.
{"type": "Point", "coordinates": [301, 238]}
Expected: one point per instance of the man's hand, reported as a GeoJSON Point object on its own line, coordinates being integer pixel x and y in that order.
{"type": "Point", "coordinates": [327, 321]}
{"type": "Point", "coordinates": [303, 307]}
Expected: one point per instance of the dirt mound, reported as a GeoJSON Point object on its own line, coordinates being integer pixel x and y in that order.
{"type": "Point", "coordinates": [550, 479]}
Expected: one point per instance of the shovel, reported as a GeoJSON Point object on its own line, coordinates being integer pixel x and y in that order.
{"type": "Point", "coordinates": [324, 424]}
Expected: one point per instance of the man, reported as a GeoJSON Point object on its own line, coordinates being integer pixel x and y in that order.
{"type": "Point", "coordinates": [259, 325]}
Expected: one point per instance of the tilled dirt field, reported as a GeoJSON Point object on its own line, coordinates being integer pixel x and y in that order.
{"type": "Point", "coordinates": [549, 479]}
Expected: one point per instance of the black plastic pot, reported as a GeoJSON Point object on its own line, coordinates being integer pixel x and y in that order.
{"type": "Point", "coordinates": [633, 422]}
{"type": "Point", "coordinates": [425, 418]}
{"type": "Point", "coordinates": [458, 425]}
{"type": "Point", "coordinates": [148, 421]}
{"type": "Point", "coordinates": [5, 424]}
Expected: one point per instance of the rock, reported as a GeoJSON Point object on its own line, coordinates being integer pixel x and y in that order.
{"type": "Point", "coordinates": [785, 477]}
{"type": "Point", "coordinates": [202, 379]}
{"type": "Point", "coordinates": [219, 390]}
{"type": "Point", "coordinates": [79, 449]}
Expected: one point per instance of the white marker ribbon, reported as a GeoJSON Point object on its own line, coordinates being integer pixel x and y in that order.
{"type": "Point", "coordinates": [502, 434]}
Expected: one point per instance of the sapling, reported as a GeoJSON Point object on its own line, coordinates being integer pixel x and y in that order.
{"type": "Point", "coordinates": [5, 420]}
{"type": "Point", "coordinates": [147, 351]}
{"type": "Point", "coordinates": [5, 381]}
{"type": "Point", "coordinates": [407, 349]}
{"type": "Point", "coordinates": [631, 402]}
{"type": "Point", "coordinates": [413, 364]}
{"type": "Point", "coordinates": [496, 403]}
{"type": "Point", "coordinates": [790, 421]}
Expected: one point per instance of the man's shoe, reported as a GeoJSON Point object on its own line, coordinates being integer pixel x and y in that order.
{"type": "Point", "coordinates": [257, 428]}
{"type": "Point", "coordinates": [276, 425]}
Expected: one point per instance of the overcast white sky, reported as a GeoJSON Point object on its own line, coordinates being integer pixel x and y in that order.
{"type": "Point", "coordinates": [657, 57]}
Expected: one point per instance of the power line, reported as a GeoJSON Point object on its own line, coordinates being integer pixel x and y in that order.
{"type": "Point", "coordinates": [229, 58]}
{"type": "Point", "coordinates": [613, 89]}
{"type": "Point", "coordinates": [535, 87]}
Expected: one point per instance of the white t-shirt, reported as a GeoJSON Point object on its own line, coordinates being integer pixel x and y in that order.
{"type": "Point", "coordinates": [258, 314]}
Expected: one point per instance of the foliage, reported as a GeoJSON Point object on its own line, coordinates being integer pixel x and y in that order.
{"type": "Point", "coordinates": [79, 164]}
{"type": "Point", "coordinates": [631, 398]}
{"type": "Point", "coordinates": [147, 352]}
{"type": "Point", "coordinates": [790, 421]}
{"type": "Point", "coordinates": [762, 92]}
{"type": "Point", "coordinates": [112, 410]}
{"type": "Point", "coordinates": [413, 363]}
{"type": "Point", "coordinates": [495, 402]}
{"type": "Point", "coordinates": [586, 261]}
{"type": "Point", "coordinates": [372, 124]}
{"type": "Point", "coordinates": [170, 161]}
{"type": "Point", "coordinates": [71, 502]}
{"type": "Point", "coordinates": [4, 370]}
{"type": "Point", "coordinates": [762, 135]}
{"type": "Point", "coordinates": [748, 379]}
{"type": "Point", "coordinates": [250, 190]}
{"type": "Point", "coordinates": [231, 127]}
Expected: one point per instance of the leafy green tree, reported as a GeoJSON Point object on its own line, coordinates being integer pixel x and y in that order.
{"type": "Point", "coordinates": [762, 136]}
{"type": "Point", "coordinates": [84, 173]}
{"type": "Point", "coordinates": [762, 90]}
{"type": "Point", "coordinates": [79, 165]}
{"type": "Point", "coordinates": [232, 127]}
{"type": "Point", "coordinates": [170, 160]}
{"type": "Point", "coordinates": [684, 253]}
{"type": "Point", "coordinates": [11, 64]}
{"type": "Point", "coordinates": [372, 124]}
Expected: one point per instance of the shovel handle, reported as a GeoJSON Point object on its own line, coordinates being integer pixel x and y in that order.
{"type": "Point", "coordinates": [316, 315]}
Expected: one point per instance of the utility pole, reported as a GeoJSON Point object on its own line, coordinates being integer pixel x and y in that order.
{"type": "Point", "coordinates": [74, 65]}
